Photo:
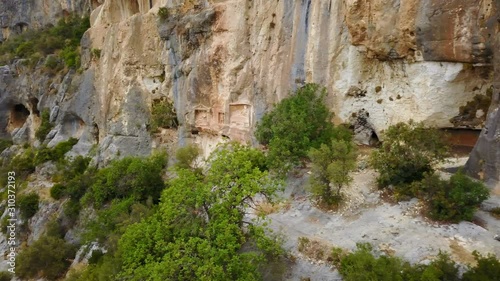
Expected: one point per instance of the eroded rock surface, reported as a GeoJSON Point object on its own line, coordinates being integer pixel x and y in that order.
{"type": "Point", "coordinates": [223, 64]}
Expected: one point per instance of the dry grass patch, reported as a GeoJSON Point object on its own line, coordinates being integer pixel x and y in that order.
{"type": "Point", "coordinates": [265, 208]}
{"type": "Point", "coordinates": [495, 212]}
{"type": "Point", "coordinates": [460, 254]}
{"type": "Point", "coordinates": [321, 251]}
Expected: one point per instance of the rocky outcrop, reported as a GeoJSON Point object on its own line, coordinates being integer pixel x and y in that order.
{"type": "Point", "coordinates": [484, 161]}
{"type": "Point", "coordinates": [224, 63]}
{"type": "Point", "coordinates": [19, 15]}
{"type": "Point", "coordinates": [430, 30]}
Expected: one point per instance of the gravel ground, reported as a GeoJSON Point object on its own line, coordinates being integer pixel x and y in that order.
{"type": "Point", "coordinates": [390, 227]}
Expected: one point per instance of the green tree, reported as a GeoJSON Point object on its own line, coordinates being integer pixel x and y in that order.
{"type": "Point", "coordinates": [331, 166]}
{"type": "Point", "coordinates": [408, 151]}
{"type": "Point", "coordinates": [296, 124]}
{"type": "Point", "coordinates": [199, 231]}
{"type": "Point", "coordinates": [130, 176]}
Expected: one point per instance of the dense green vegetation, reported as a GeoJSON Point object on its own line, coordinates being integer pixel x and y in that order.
{"type": "Point", "coordinates": [406, 162]}
{"type": "Point", "coordinates": [63, 39]}
{"type": "Point", "coordinates": [193, 225]}
{"type": "Point", "coordinates": [128, 177]}
{"type": "Point", "coordinates": [28, 205]}
{"type": "Point", "coordinates": [198, 230]}
{"type": "Point", "coordinates": [4, 144]}
{"type": "Point", "coordinates": [24, 163]}
{"type": "Point", "coordinates": [331, 165]}
{"type": "Point", "coordinates": [163, 115]}
{"type": "Point", "coordinates": [163, 13]}
{"type": "Point", "coordinates": [408, 151]}
{"type": "Point", "coordinates": [186, 157]}
{"type": "Point", "coordinates": [365, 264]}
{"type": "Point", "coordinates": [5, 276]}
{"type": "Point", "coordinates": [56, 153]}
{"type": "Point", "coordinates": [454, 200]}
{"type": "Point", "coordinates": [48, 257]}
{"type": "Point", "coordinates": [45, 126]}
{"type": "Point", "coordinates": [296, 124]}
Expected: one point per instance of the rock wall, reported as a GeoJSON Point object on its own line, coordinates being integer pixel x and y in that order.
{"type": "Point", "coordinates": [225, 63]}
{"type": "Point", "coordinates": [484, 161]}
{"type": "Point", "coordinates": [19, 15]}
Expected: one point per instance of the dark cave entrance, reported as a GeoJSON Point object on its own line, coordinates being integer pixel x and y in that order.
{"type": "Point", "coordinates": [18, 116]}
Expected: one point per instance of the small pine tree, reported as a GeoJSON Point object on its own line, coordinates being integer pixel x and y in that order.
{"type": "Point", "coordinates": [331, 166]}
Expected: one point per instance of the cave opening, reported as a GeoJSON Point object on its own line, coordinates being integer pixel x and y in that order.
{"type": "Point", "coordinates": [374, 140]}
{"type": "Point", "coordinates": [18, 116]}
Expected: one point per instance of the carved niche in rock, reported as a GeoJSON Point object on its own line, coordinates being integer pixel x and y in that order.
{"type": "Point", "coordinates": [202, 116]}
{"type": "Point", "coordinates": [239, 115]}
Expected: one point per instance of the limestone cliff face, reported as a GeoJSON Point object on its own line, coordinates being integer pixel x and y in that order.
{"type": "Point", "coordinates": [19, 15]}
{"type": "Point", "coordinates": [484, 161]}
{"type": "Point", "coordinates": [224, 63]}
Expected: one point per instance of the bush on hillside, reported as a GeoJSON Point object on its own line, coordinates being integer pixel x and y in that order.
{"type": "Point", "coordinates": [28, 205]}
{"type": "Point", "coordinates": [63, 39]}
{"type": "Point", "coordinates": [295, 125]}
{"type": "Point", "coordinates": [131, 176]}
{"type": "Point", "coordinates": [408, 151]}
{"type": "Point", "coordinates": [331, 167]}
{"type": "Point", "coordinates": [48, 257]}
{"type": "Point", "coordinates": [186, 157]}
{"type": "Point", "coordinates": [453, 200]}
{"type": "Point", "coordinates": [45, 126]}
{"type": "Point", "coordinates": [163, 115]}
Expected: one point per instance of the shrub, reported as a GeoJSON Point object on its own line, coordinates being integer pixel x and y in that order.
{"type": "Point", "coordinates": [186, 157]}
{"type": "Point", "coordinates": [62, 148]}
{"type": "Point", "coordinates": [51, 63]}
{"type": "Point", "coordinates": [71, 56]}
{"type": "Point", "coordinates": [4, 144]}
{"type": "Point", "coordinates": [163, 13]}
{"type": "Point", "coordinates": [63, 39]}
{"type": "Point", "coordinates": [22, 164]}
{"type": "Point", "coordinates": [408, 151]}
{"type": "Point", "coordinates": [487, 268]}
{"type": "Point", "coordinates": [56, 153]}
{"type": "Point", "coordinates": [45, 126]}
{"type": "Point", "coordinates": [72, 210]}
{"type": "Point", "coordinates": [163, 115]}
{"type": "Point", "coordinates": [331, 165]}
{"type": "Point", "coordinates": [96, 53]}
{"type": "Point", "coordinates": [28, 205]}
{"type": "Point", "coordinates": [68, 169]}
{"type": "Point", "coordinates": [57, 191]}
{"type": "Point", "coordinates": [5, 276]}
{"type": "Point", "coordinates": [127, 177]}
{"type": "Point", "coordinates": [495, 212]}
{"type": "Point", "coordinates": [48, 257]}
{"type": "Point", "coordinates": [362, 265]}
{"type": "Point", "coordinates": [457, 199]}
{"type": "Point", "coordinates": [296, 124]}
